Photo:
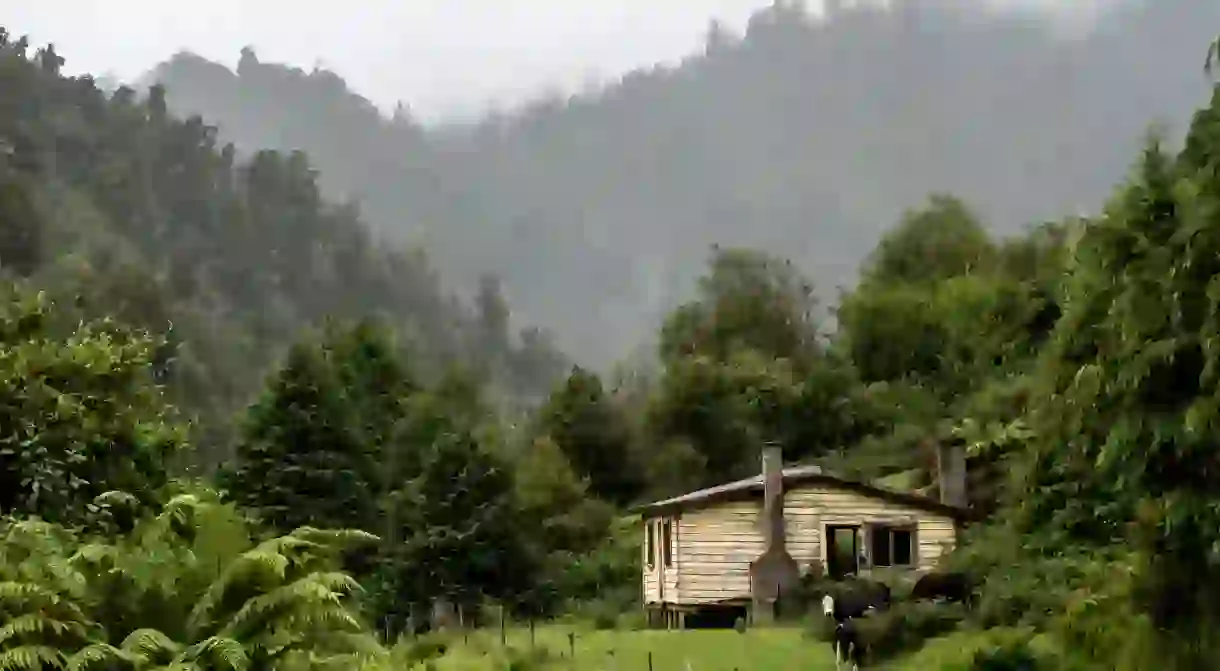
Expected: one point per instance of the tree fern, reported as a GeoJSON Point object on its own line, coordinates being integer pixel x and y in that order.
{"type": "Point", "coordinates": [185, 589]}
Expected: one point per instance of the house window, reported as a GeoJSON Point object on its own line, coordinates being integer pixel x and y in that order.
{"type": "Point", "coordinates": [649, 544]}
{"type": "Point", "coordinates": [667, 543]}
{"type": "Point", "coordinates": [892, 546]}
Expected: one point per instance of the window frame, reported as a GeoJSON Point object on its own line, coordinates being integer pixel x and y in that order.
{"type": "Point", "coordinates": [650, 544]}
{"type": "Point", "coordinates": [891, 530]}
{"type": "Point", "coordinates": [667, 543]}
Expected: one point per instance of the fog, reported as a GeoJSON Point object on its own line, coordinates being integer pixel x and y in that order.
{"type": "Point", "coordinates": [444, 58]}
{"type": "Point", "coordinates": [802, 132]}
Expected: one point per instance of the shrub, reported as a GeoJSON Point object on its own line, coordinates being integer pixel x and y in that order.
{"type": "Point", "coordinates": [184, 588]}
{"type": "Point", "coordinates": [820, 628]}
{"type": "Point", "coordinates": [1012, 656]}
{"type": "Point", "coordinates": [605, 620]}
{"type": "Point", "coordinates": [905, 627]}
{"type": "Point", "coordinates": [1003, 649]}
{"type": "Point", "coordinates": [517, 659]}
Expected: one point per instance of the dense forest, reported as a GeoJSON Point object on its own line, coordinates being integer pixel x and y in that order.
{"type": "Point", "coordinates": [128, 212]}
{"type": "Point", "coordinates": [801, 137]}
{"type": "Point", "coordinates": [171, 305]}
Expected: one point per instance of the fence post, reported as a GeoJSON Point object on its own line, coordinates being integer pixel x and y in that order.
{"type": "Point", "coordinates": [572, 645]}
{"type": "Point", "coordinates": [503, 633]}
{"type": "Point", "coordinates": [650, 660]}
{"type": "Point", "coordinates": [532, 633]}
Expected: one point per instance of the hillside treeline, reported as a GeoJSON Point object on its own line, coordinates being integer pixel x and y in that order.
{"type": "Point", "coordinates": [370, 481]}
{"type": "Point", "coordinates": [801, 137]}
{"type": "Point", "coordinates": [127, 211]}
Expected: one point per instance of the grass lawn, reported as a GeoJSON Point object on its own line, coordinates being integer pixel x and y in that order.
{"type": "Point", "coordinates": [770, 649]}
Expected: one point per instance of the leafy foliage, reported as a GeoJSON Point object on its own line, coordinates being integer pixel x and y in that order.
{"type": "Point", "coordinates": [1074, 363]}
{"type": "Point", "coordinates": [185, 589]}
{"type": "Point", "coordinates": [804, 134]}
{"type": "Point", "coordinates": [593, 436]}
{"type": "Point", "coordinates": [80, 409]}
{"type": "Point", "coordinates": [152, 220]}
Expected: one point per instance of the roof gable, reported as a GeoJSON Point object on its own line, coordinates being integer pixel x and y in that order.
{"type": "Point", "coordinates": [794, 477]}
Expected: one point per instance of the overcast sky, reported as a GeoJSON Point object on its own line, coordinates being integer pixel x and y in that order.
{"type": "Point", "coordinates": [439, 56]}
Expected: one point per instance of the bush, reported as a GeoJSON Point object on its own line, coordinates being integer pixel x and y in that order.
{"type": "Point", "coordinates": [905, 627]}
{"type": "Point", "coordinates": [423, 648]}
{"type": "Point", "coordinates": [1003, 649]}
{"type": "Point", "coordinates": [516, 659]}
{"type": "Point", "coordinates": [177, 590]}
{"type": "Point", "coordinates": [1013, 656]}
{"type": "Point", "coordinates": [820, 628]}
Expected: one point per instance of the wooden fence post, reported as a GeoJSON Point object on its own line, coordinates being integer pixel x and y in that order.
{"type": "Point", "coordinates": [503, 633]}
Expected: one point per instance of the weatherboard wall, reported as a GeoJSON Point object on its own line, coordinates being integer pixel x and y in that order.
{"type": "Point", "coordinates": [714, 545]}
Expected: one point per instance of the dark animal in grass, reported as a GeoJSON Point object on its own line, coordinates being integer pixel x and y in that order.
{"type": "Point", "coordinates": [946, 585]}
{"type": "Point", "coordinates": [853, 600]}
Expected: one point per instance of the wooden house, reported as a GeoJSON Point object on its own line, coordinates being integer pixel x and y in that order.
{"type": "Point", "coordinates": [736, 548]}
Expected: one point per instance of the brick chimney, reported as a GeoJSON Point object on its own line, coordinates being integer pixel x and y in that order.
{"type": "Point", "coordinates": [775, 571]}
{"type": "Point", "coordinates": [773, 499]}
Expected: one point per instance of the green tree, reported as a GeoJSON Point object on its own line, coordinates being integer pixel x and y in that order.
{"type": "Point", "coordinates": [81, 412]}
{"type": "Point", "coordinates": [560, 519]}
{"type": "Point", "coordinates": [746, 300]}
{"type": "Point", "coordinates": [594, 437]}
{"type": "Point", "coordinates": [21, 226]}
{"type": "Point", "coordinates": [943, 239]}
{"type": "Point", "coordinates": [725, 411]}
{"type": "Point", "coordinates": [302, 460]}
{"type": "Point", "coordinates": [1125, 411]}
{"type": "Point", "coordinates": [459, 536]}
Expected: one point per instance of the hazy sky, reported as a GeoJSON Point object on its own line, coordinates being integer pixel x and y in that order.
{"type": "Point", "coordinates": [439, 56]}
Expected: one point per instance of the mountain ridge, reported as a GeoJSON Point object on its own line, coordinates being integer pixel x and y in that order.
{"type": "Point", "coordinates": [803, 137]}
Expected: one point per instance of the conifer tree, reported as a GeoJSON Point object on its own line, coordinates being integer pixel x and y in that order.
{"type": "Point", "coordinates": [300, 463]}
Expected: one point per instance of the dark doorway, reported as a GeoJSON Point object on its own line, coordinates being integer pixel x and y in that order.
{"type": "Point", "coordinates": [842, 551]}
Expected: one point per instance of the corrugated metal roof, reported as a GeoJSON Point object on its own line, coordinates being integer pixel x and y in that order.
{"type": "Point", "coordinates": [736, 485]}
{"type": "Point", "coordinates": [795, 476]}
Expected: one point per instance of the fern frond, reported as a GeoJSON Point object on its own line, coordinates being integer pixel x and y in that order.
{"type": "Point", "coordinates": [336, 538]}
{"type": "Point", "coordinates": [223, 653]}
{"type": "Point", "coordinates": [40, 624]}
{"type": "Point", "coordinates": [116, 498]}
{"type": "Point", "coordinates": [31, 658]}
{"type": "Point", "coordinates": [101, 656]}
{"type": "Point", "coordinates": [150, 645]}
{"type": "Point", "coordinates": [15, 594]}
{"type": "Point", "coordinates": [315, 598]}
{"type": "Point", "coordinates": [255, 567]}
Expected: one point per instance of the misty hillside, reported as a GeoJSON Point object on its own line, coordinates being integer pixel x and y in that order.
{"type": "Point", "coordinates": [115, 207]}
{"type": "Point", "coordinates": [802, 137]}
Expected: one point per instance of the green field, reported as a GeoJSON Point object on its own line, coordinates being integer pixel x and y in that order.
{"type": "Point", "coordinates": [769, 649]}
{"type": "Point", "coordinates": [708, 650]}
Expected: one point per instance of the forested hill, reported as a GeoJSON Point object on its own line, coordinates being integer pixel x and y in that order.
{"type": "Point", "coordinates": [110, 200]}
{"type": "Point", "coordinates": [801, 137]}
